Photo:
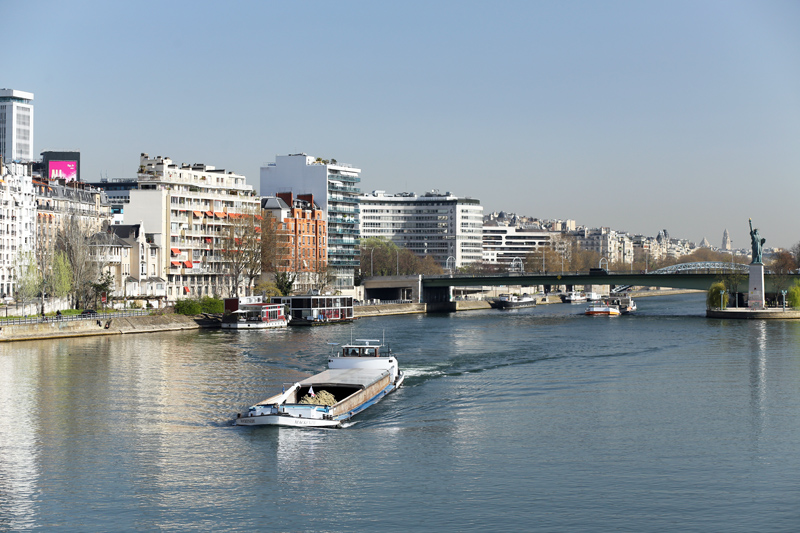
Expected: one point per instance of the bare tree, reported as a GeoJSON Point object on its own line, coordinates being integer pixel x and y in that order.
{"type": "Point", "coordinates": [73, 240]}
{"type": "Point", "coordinates": [241, 247]}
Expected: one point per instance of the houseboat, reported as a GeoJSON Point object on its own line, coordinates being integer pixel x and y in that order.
{"type": "Point", "coordinates": [316, 309]}
{"type": "Point", "coordinates": [251, 312]}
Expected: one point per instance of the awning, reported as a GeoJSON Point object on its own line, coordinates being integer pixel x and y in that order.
{"type": "Point", "coordinates": [208, 240]}
{"type": "Point", "coordinates": [257, 228]}
{"type": "Point", "coordinates": [187, 264]}
{"type": "Point", "coordinates": [175, 251]}
{"type": "Point", "coordinates": [186, 290]}
{"type": "Point", "coordinates": [176, 263]}
{"type": "Point", "coordinates": [198, 214]}
{"type": "Point", "coordinates": [219, 214]}
{"type": "Point", "coordinates": [210, 214]}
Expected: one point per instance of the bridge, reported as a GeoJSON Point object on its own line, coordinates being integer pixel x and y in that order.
{"type": "Point", "coordinates": [697, 276]}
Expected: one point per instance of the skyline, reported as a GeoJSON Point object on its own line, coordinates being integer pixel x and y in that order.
{"type": "Point", "coordinates": [640, 117]}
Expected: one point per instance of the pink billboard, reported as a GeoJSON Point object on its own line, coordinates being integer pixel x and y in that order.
{"type": "Point", "coordinates": [66, 170]}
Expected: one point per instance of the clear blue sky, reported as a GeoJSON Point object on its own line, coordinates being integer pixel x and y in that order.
{"type": "Point", "coordinates": [682, 115]}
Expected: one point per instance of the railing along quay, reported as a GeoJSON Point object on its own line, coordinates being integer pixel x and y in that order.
{"type": "Point", "coordinates": [38, 319]}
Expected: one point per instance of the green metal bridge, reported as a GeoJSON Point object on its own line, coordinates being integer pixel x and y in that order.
{"type": "Point", "coordinates": [698, 276]}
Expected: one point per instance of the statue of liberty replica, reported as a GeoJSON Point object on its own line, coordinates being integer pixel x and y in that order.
{"type": "Point", "coordinates": [755, 296]}
{"type": "Point", "coordinates": [757, 243]}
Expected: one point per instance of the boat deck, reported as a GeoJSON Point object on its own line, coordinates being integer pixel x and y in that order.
{"type": "Point", "coordinates": [356, 377]}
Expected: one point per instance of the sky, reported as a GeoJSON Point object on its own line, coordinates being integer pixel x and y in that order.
{"type": "Point", "coordinates": [639, 116]}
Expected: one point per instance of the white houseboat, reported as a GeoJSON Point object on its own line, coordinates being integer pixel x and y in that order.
{"type": "Point", "coordinates": [250, 312]}
{"type": "Point", "coordinates": [357, 377]}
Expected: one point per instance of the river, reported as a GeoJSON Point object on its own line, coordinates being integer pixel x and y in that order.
{"type": "Point", "coordinates": [532, 419]}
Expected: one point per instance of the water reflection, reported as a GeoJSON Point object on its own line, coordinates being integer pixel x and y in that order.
{"type": "Point", "coordinates": [19, 470]}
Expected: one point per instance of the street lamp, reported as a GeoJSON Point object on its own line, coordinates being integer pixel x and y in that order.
{"type": "Point", "coordinates": [783, 293]}
{"type": "Point", "coordinates": [371, 263]}
{"type": "Point", "coordinates": [722, 299]}
{"type": "Point", "coordinates": [397, 251]}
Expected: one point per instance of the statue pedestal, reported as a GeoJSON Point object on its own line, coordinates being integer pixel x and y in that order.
{"type": "Point", "coordinates": [755, 295]}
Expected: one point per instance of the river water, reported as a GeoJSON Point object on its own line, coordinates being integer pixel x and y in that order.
{"type": "Point", "coordinates": [535, 419]}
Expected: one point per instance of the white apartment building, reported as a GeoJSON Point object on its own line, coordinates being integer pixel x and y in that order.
{"type": "Point", "coordinates": [613, 246]}
{"type": "Point", "coordinates": [17, 221]}
{"type": "Point", "coordinates": [16, 125]}
{"type": "Point", "coordinates": [443, 226]}
{"type": "Point", "coordinates": [133, 258]}
{"type": "Point", "coordinates": [190, 206]}
{"type": "Point", "coordinates": [335, 188]}
{"type": "Point", "coordinates": [509, 245]}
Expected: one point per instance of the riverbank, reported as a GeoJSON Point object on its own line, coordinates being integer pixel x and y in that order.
{"type": "Point", "coordinates": [55, 329]}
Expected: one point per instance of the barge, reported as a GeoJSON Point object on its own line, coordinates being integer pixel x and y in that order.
{"type": "Point", "coordinates": [358, 376]}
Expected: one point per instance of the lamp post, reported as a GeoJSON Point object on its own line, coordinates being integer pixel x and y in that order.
{"type": "Point", "coordinates": [783, 293]}
{"type": "Point", "coordinates": [722, 299]}
{"type": "Point", "coordinates": [371, 263]}
{"type": "Point", "coordinates": [397, 251]}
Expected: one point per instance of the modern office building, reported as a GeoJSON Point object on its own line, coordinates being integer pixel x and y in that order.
{"type": "Point", "coordinates": [335, 188]}
{"type": "Point", "coordinates": [510, 246]}
{"type": "Point", "coordinates": [16, 125]}
{"type": "Point", "coordinates": [301, 239]}
{"type": "Point", "coordinates": [194, 208]}
{"type": "Point", "coordinates": [444, 226]}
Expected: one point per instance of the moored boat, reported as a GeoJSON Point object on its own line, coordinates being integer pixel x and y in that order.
{"type": "Point", "coordinates": [250, 312]}
{"type": "Point", "coordinates": [574, 297]}
{"type": "Point", "coordinates": [602, 309]}
{"type": "Point", "coordinates": [317, 309]}
{"type": "Point", "coordinates": [359, 376]}
{"type": "Point", "coordinates": [512, 301]}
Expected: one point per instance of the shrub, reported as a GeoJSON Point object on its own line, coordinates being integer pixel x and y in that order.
{"type": "Point", "coordinates": [211, 305]}
{"type": "Point", "coordinates": [793, 295]}
{"type": "Point", "coordinates": [713, 300]}
{"type": "Point", "coordinates": [188, 307]}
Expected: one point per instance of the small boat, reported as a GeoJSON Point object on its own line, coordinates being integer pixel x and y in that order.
{"type": "Point", "coordinates": [593, 297]}
{"type": "Point", "coordinates": [359, 376]}
{"type": "Point", "coordinates": [602, 309]}
{"type": "Point", "coordinates": [512, 301]}
{"type": "Point", "coordinates": [574, 297]}
{"type": "Point", "coordinates": [625, 303]}
{"type": "Point", "coordinates": [250, 312]}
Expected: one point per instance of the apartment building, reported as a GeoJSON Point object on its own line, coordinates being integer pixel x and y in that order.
{"type": "Point", "coordinates": [509, 245]}
{"type": "Point", "coordinates": [301, 239]}
{"type": "Point", "coordinates": [194, 207]}
{"type": "Point", "coordinates": [17, 221]}
{"type": "Point", "coordinates": [447, 227]}
{"type": "Point", "coordinates": [335, 188]}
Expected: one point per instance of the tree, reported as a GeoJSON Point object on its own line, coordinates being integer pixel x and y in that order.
{"type": "Point", "coordinates": [781, 267]}
{"type": "Point", "coordinates": [28, 278]}
{"type": "Point", "coordinates": [59, 283]}
{"type": "Point", "coordinates": [717, 296]}
{"type": "Point", "coordinates": [284, 281]}
{"type": "Point", "coordinates": [73, 240]}
{"type": "Point", "coordinates": [104, 285]}
{"type": "Point", "coordinates": [793, 295]}
{"type": "Point", "coordinates": [241, 249]}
